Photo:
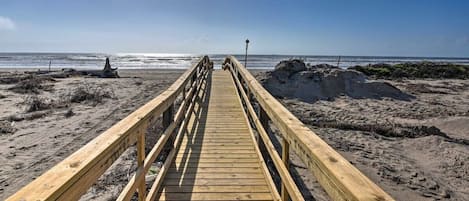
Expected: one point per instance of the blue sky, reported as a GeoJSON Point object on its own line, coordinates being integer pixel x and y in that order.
{"type": "Point", "coordinates": [332, 27]}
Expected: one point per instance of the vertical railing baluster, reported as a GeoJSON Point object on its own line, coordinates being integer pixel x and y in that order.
{"type": "Point", "coordinates": [168, 116]}
{"type": "Point", "coordinates": [140, 162]}
{"type": "Point", "coordinates": [286, 161]}
{"type": "Point", "coordinates": [167, 120]}
{"type": "Point", "coordinates": [264, 119]}
{"type": "Point", "coordinates": [184, 92]}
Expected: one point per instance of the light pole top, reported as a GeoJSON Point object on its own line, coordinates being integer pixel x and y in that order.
{"type": "Point", "coordinates": [247, 41]}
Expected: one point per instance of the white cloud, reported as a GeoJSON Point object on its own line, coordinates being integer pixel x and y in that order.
{"type": "Point", "coordinates": [6, 23]}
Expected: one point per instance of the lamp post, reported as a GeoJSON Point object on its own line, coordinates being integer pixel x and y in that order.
{"type": "Point", "coordinates": [246, 55]}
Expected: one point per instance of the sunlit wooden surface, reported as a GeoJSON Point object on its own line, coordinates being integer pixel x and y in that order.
{"type": "Point", "coordinates": [217, 159]}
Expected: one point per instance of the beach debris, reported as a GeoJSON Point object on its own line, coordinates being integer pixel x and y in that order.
{"type": "Point", "coordinates": [6, 127]}
{"type": "Point", "coordinates": [292, 79]}
{"type": "Point", "coordinates": [396, 130]}
{"type": "Point", "coordinates": [12, 78]}
{"type": "Point", "coordinates": [37, 103]}
{"type": "Point", "coordinates": [90, 93]}
{"type": "Point", "coordinates": [108, 71]}
{"type": "Point", "coordinates": [32, 84]}
{"type": "Point", "coordinates": [415, 70]}
{"type": "Point", "coordinates": [69, 113]}
{"type": "Point", "coordinates": [29, 116]}
{"type": "Point", "coordinates": [138, 82]}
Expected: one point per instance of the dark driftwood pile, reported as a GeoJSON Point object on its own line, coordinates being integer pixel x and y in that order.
{"type": "Point", "coordinates": [107, 72]}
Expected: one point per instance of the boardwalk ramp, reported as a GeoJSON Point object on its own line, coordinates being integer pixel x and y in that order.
{"type": "Point", "coordinates": [213, 147]}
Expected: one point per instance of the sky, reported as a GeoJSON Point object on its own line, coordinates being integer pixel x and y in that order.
{"type": "Point", "coordinates": [296, 27]}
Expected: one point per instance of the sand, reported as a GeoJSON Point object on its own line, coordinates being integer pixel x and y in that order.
{"type": "Point", "coordinates": [39, 144]}
{"type": "Point", "coordinates": [421, 167]}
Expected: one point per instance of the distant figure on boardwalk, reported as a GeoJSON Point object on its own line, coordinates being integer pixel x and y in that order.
{"type": "Point", "coordinates": [108, 71]}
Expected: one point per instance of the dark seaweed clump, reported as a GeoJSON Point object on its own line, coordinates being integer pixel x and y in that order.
{"type": "Point", "coordinates": [415, 70]}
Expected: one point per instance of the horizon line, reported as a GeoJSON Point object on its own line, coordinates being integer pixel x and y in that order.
{"type": "Point", "coordinates": [257, 54]}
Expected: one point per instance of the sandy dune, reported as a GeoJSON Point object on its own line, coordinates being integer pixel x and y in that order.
{"type": "Point", "coordinates": [425, 165]}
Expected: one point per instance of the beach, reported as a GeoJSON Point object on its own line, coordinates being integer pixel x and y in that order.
{"type": "Point", "coordinates": [427, 167]}
{"type": "Point", "coordinates": [422, 166]}
{"type": "Point", "coordinates": [409, 136]}
{"type": "Point", "coordinates": [38, 143]}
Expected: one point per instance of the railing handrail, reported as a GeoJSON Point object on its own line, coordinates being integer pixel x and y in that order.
{"type": "Point", "coordinates": [73, 176]}
{"type": "Point", "coordinates": [340, 179]}
{"type": "Point", "coordinates": [288, 186]}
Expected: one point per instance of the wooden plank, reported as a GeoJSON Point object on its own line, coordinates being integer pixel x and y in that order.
{"type": "Point", "coordinates": [215, 196]}
{"type": "Point", "coordinates": [218, 151]}
{"type": "Point", "coordinates": [218, 144]}
{"type": "Point", "coordinates": [159, 179]}
{"type": "Point", "coordinates": [202, 175]}
{"type": "Point", "coordinates": [219, 170]}
{"type": "Point", "coordinates": [233, 164]}
{"type": "Point", "coordinates": [227, 123]}
{"type": "Point", "coordinates": [74, 175]}
{"type": "Point", "coordinates": [227, 138]}
{"type": "Point", "coordinates": [140, 161]}
{"type": "Point", "coordinates": [265, 170]}
{"type": "Point", "coordinates": [340, 179]}
{"type": "Point", "coordinates": [214, 150]}
{"type": "Point", "coordinates": [213, 129]}
{"type": "Point", "coordinates": [215, 145]}
{"type": "Point", "coordinates": [196, 156]}
{"type": "Point", "coordinates": [216, 189]}
{"type": "Point", "coordinates": [221, 160]}
{"type": "Point", "coordinates": [215, 182]}
{"type": "Point", "coordinates": [286, 162]}
{"type": "Point", "coordinates": [222, 145]}
{"type": "Point", "coordinates": [129, 189]}
{"type": "Point", "coordinates": [287, 181]}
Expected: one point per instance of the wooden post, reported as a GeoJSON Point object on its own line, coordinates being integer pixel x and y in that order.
{"type": "Point", "coordinates": [184, 93]}
{"type": "Point", "coordinates": [140, 162]}
{"type": "Point", "coordinates": [264, 119]}
{"type": "Point", "coordinates": [168, 116]}
{"type": "Point", "coordinates": [194, 77]}
{"type": "Point", "coordinates": [167, 120]}
{"type": "Point", "coordinates": [285, 159]}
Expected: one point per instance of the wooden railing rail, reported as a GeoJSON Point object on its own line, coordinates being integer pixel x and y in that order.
{"type": "Point", "coordinates": [340, 179]}
{"type": "Point", "coordinates": [72, 177]}
{"type": "Point", "coordinates": [288, 185]}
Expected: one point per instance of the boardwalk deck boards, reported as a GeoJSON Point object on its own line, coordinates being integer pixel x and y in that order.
{"type": "Point", "coordinates": [192, 176]}
{"type": "Point", "coordinates": [209, 120]}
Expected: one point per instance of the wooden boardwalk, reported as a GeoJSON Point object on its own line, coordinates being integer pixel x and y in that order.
{"type": "Point", "coordinates": [218, 158]}
{"type": "Point", "coordinates": [214, 125]}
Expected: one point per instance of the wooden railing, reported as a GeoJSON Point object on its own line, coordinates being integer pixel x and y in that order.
{"type": "Point", "coordinates": [72, 177]}
{"type": "Point", "coordinates": [340, 179]}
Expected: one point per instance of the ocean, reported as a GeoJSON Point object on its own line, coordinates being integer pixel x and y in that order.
{"type": "Point", "coordinates": [183, 61]}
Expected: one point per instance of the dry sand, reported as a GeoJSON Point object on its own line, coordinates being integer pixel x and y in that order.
{"type": "Point", "coordinates": [39, 144]}
{"type": "Point", "coordinates": [424, 167]}
{"type": "Point", "coordinates": [421, 164]}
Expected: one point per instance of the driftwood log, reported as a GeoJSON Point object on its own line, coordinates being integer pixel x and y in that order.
{"type": "Point", "coordinates": [106, 72]}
